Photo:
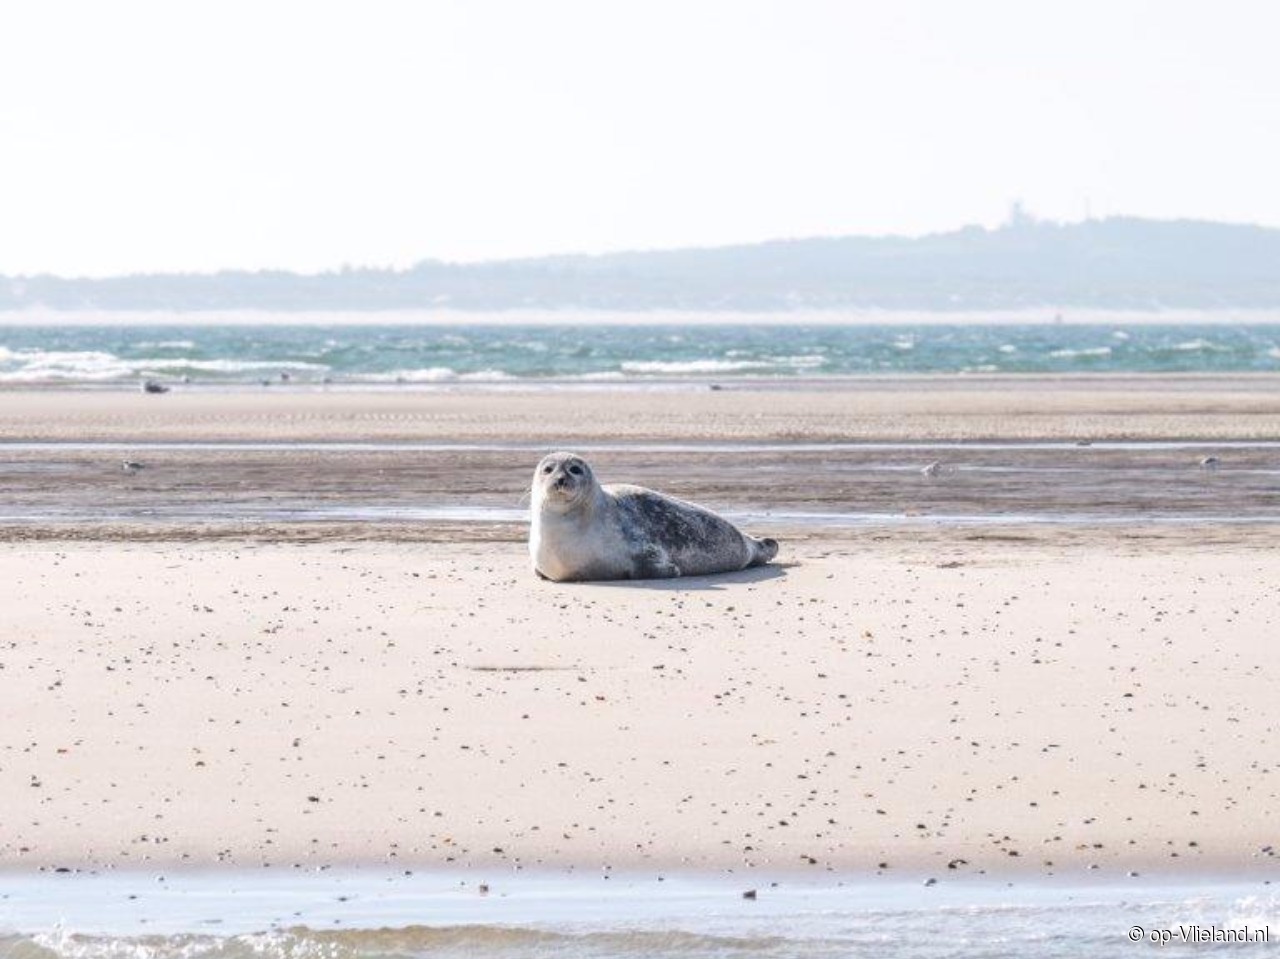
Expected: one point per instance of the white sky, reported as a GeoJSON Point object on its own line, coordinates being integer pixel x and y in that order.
{"type": "Point", "coordinates": [304, 135]}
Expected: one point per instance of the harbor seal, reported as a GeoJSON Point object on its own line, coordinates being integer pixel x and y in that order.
{"type": "Point", "coordinates": [584, 531]}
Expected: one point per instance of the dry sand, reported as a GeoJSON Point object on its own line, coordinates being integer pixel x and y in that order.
{"type": "Point", "coordinates": [1013, 708]}
{"type": "Point", "coordinates": [917, 408]}
{"type": "Point", "coordinates": [1043, 700]}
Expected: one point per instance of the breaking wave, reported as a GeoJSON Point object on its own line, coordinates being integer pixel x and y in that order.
{"type": "Point", "coordinates": [434, 374]}
{"type": "Point", "coordinates": [1198, 345]}
{"type": "Point", "coordinates": [766, 363]}
{"type": "Point", "coordinates": [1067, 354]}
{"type": "Point", "coordinates": [34, 366]}
{"type": "Point", "coordinates": [468, 941]}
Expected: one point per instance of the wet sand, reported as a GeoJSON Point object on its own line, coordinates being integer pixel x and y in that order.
{"type": "Point", "coordinates": [244, 690]}
{"type": "Point", "coordinates": [1034, 448]}
{"type": "Point", "coordinates": [783, 485]}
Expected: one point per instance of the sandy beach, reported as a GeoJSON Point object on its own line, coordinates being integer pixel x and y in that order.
{"type": "Point", "coordinates": [1052, 699]}
{"type": "Point", "coordinates": [968, 407]}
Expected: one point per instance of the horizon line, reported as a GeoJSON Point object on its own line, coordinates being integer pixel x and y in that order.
{"type": "Point", "coordinates": [1047, 315]}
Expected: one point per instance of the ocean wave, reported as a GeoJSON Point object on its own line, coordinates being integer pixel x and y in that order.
{"type": "Point", "coordinates": [431, 374]}
{"type": "Point", "coordinates": [98, 365]}
{"type": "Point", "coordinates": [1198, 345]}
{"type": "Point", "coordinates": [1085, 352]}
{"type": "Point", "coordinates": [224, 366]}
{"type": "Point", "coordinates": [434, 374]}
{"type": "Point", "coordinates": [1274, 352]}
{"type": "Point", "coordinates": [1253, 911]}
{"type": "Point", "coordinates": [803, 361]}
{"type": "Point", "coordinates": [688, 367]}
{"type": "Point", "coordinates": [91, 365]}
{"type": "Point", "coordinates": [166, 345]}
{"type": "Point", "coordinates": [682, 367]}
{"type": "Point", "coordinates": [530, 346]}
{"type": "Point", "coordinates": [466, 940]}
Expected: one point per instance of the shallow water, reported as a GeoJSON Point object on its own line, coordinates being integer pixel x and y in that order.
{"type": "Point", "coordinates": [338, 915]}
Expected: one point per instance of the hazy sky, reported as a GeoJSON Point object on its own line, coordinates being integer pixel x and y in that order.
{"type": "Point", "coordinates": [199, 135]}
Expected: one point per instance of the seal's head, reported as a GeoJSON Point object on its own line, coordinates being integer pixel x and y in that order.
{"type": "Point", "coordinates": [562, 482]}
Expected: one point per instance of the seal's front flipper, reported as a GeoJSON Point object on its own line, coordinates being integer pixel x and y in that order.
{"type": "Point", "coordinates": [654, 563]}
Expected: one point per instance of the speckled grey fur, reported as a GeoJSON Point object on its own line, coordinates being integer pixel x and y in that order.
{"type": "Point", "coordinates": [584, 531]}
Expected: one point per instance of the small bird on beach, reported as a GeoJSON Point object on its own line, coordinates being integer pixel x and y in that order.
{"type": "Point", "coordinates": [1209, 463]}
{"type": "Point", "coordinates": [933, 469]}
{"type": "Point", "coordinates": [132, 466]}
{"type": "Point", "coordinates": [151, 386]}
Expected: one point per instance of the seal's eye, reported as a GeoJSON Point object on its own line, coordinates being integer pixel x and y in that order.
{"type": "Point", "coordinates": [547, 468]}
{"type": "Point", "coordinates": [575, 470]}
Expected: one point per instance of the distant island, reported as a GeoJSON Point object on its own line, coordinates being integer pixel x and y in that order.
{"type": "Point", "coordinates": [1116, 263]}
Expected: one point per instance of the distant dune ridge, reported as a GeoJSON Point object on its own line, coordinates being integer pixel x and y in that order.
{"type": "Point", "coordinates": [1114, 263]}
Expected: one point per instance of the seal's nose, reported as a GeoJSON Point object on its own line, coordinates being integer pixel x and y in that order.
{"type": "Point", "coordinates": [561, 481]}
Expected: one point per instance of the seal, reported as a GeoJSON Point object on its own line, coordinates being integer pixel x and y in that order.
{"type": "Point", "coordinates": [584, 531]}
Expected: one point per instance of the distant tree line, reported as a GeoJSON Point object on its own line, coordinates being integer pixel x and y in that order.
{"type": "Point", "coordinates": [1120, 263]}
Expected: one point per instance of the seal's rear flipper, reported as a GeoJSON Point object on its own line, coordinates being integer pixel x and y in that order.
{"type": "Point", "coordinates": [766, 549]}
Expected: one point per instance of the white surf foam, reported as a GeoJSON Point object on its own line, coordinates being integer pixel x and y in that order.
{"type": "Point", "coordinates": [684, 367]}
{"type": "Point", "coordinates": [1073, 354]}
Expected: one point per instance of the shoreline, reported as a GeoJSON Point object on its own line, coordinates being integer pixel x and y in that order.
{"type": "Point", "coordinates": [1229, 381]}
{"type": "Point", "coordinates": [605, 915]}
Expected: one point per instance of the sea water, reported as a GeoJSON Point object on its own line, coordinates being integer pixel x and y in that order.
{"type": "Point", "coordinates": [405, 355]}
{"type": "Point", "coordinates": [363, 914]}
